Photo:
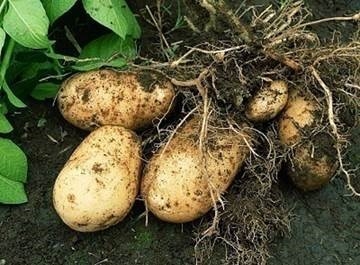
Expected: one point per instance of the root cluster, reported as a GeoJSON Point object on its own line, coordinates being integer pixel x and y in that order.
{"type": "Point", "coordinates": [219, 74]}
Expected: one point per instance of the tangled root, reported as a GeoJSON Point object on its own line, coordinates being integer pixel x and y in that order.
{"type": "Point", "coordinates": [224, 72]}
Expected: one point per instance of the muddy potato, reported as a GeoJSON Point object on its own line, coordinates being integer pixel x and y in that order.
{"type": "Point", "coordinates": [311, 167]}
{"type": "Point", "coordinates": [268, 102]}
{"type": "Point", "coordinates": [313, 162]}
{"type": "Point", "coordinates": [175, 184]}
{"type": "Point", "coordinates": [300, 112]}
{"type": "Point", "coordinates": [99, 183]}
{"type": "Point", "coordinates": [107, 97]}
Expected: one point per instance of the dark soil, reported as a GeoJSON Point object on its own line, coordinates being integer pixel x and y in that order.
{"type": "Point", "coordinates": [324, 229]}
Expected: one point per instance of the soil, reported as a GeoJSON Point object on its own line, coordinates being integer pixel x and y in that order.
{"type": "Point", "coordinates": [324, 229]}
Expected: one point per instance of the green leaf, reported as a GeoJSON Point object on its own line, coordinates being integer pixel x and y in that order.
{"type": "Point", "coordinates": [26, 22]}
{"type": "Point", "coordinates": [12, 98]}
{"type": "Point", "coordinates": [108, 46]}
{"type": "Point", "coordinates": [11, 192]}
{"type": "Point", "coordinates": [13, 162]}
{"type": "Point", "coordinates": [33, 70]}
{"type": "Point", "coordinates": [108, 50]}
{"type": "Point", "coordinates": [23, 61]}
{"type": "Point", "coordinates": [3, 108]}
{"type": "Point", "coordinates": [5, 126]}
{"type": "Point", "coordinates": [2, 39]}
{"type": "Point", "coordinates": [115, 15]}
{"type": "Point", "coordinates": [56, 8]}
{"type": "Point", "coordinates": [45, 90]}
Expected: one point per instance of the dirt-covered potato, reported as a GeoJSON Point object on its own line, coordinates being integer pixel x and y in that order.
{"type": "Point", "coordinates": [313, 162]}
{"type": "Point", "coordinates": [107, 97]}
{"type": "Point", "coordinates": [312, 167]}
{"type": "Point", "coordinates": [267, 102]}
{"type": "Point", "coordinates": [176, 182]}
{"type": "Point", "coordinates": [299, 113]}
{"type": "Point", "coordinates": [99, 183]}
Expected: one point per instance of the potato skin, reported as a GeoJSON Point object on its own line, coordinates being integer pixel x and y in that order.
{"type": "Point", "coordinates": [268, 102]}
{"type": "Point", "coordinates": [309, 172]}
{"type": "Point", "coordinates": [174, 184]}
{"type": "Point", "coordinates": [300, 111]}
{"type": "Point", "coordinates": [106, 97]}
{"type": "Point", "coordinates": [98, 185]}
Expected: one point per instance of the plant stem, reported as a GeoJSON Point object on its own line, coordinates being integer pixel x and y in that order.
{"type": "Point", "coordinates": [57, 65]}
{"type": "Point", "coordinates": [6, 60]}
{"type": "Point", "coordinates": [2, 6]}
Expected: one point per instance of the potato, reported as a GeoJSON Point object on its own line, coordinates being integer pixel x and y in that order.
{"type": "Point", "coordinates": [311, 167]}
{"type": "Point", "coordinates": [107, 97]}
{"type": "Point", "coordinates": [175, 184]}
{"type": "Point", "coordinates": [267, 102]}
{"type": "Point", "coordinates": [299, 113]}
{"type": "Point", "coordinates": [99, 183]}
{"type": "Point", "coordinates": [313, 162]}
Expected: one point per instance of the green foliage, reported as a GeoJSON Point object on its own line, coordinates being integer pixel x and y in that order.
{"type": "Point", "coordinates": [108, 50]}
{"type": "Point", "coordinates": [5, 126]}
{"type": "Point", "coordinates": [55, 8]}
{"type": "Point", "coordinates": [45, 90]}
{"type": "Point", "coordinates": [115, 15]}
{"type": "Point", "coordinates": [13, 173]}
{"type": "Point", "coordinates": [26, 22]}
{"type": "Point", "coordinates": [14, 100]}
{"type": "Point", "coordinates": [2, 39]}
{"type": "Point", "coordinates": [27, 55]}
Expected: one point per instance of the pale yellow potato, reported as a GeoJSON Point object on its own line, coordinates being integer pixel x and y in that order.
{"type": "Point", "coordinates": [298, 114]}
{"type": "Point", "coordinates": [267, 102]}
{"type": "Point", "coordinates": [175, 183]}
{"type": "Point", "coordinates": [98, 185]}
{"type": "Point", "coordinates": [107, 97]}
{"type": "Point", "coordinates": [311, 168]}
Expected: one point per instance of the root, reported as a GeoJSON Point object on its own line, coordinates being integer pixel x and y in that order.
{"type": "Point", "coordinates": [221, 74]}
{"type": "Point", "coordinates": [193, 49]}
{"type": "Point", "coordinates": [334, 128]}
{"type": "Point", "coordinates": [165, 47]}
{"type": "Point", "coordinates": [355, 17]}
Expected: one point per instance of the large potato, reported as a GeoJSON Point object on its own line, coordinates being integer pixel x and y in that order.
{"type": "Point", "coordinates": [267, 102]}
{"type": "Point", "coordinates": [99, 183]}
{"type": "Point", "coordinates": [176, 182]}
{"type": "Point", "coordinates": [313, 162]}
{"type": "Point", "coordinates": [107, 97]}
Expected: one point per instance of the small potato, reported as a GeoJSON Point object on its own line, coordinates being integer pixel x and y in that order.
{"type": "Point", "coordinates": [268, 102]}
{"type": "Point", "coordinates": [107, 97]}
{"type": "Point", "coordinates": [299, 112]}
{"type": "Point", "coordinates": [176, 182]}
{"type": "Point", "coordinates": [99, 183]}
{"type": "Point", "coordinates": [313, 162]}
{"type": "Point", "coordinates": [311, 167]}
